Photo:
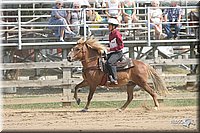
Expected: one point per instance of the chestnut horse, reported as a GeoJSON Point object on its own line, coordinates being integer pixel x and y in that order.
{"type": "Point", "coordinates": [89, 51]}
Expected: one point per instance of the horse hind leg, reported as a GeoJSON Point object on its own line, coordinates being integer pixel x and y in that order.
{"type": "Point", "coordinates": [147, 88]}
{"type": "Point", "coordinates": [129, 96]}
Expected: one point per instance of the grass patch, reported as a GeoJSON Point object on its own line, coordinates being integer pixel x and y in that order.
{"type": "Point", "coordinates": [24, 96]}
{"type": "Point", "coordinates": [181, 102]}
{"type": "Point", "coordinates": [174, 70]}
{"type": "Point", "coordinates": [33, 106]}
{"type": "Point", "coordinates": [106, 104]}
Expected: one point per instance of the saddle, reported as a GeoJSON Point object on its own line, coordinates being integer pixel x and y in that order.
{"type": "Point", "coordinates": [122, 64]}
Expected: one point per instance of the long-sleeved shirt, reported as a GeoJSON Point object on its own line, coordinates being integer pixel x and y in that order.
{"type": "Point", "coordinates": [115, 41]}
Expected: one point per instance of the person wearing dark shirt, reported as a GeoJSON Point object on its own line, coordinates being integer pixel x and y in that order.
{"type": "Point", "coordinates": [172, 15]}
{"type": "Point", "coordinates": [59, 17]}
{"type": "Point", "coordinates": [114, 50]}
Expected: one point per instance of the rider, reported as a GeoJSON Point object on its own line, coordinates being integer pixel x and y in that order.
{"type": "Point", "coordinates": [114, 50]}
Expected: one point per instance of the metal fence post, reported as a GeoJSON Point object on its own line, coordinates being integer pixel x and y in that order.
{"type": "Point", "coordinates": [84, 23]}
{"type": "Point", "coordinates": [19, 29]}
{"type": "Point", "coordinates": [148, 27]}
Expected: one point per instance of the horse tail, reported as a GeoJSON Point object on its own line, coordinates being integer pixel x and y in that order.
{"type": "Point", "coordinates": [158, 83]}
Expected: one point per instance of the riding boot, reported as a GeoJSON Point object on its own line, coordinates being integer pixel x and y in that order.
{"type": "Point", "coordinates": [114, 75]}
{"type": "Point", "coordinates": [113, 80]}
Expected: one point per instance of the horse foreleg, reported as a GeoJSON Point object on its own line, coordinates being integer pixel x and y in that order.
{"type": "Point", "coordinates": [90, 95]}
{"type": "Point", "coordinates": [82, 84]}
{"type": "Point", "coordinates": [129, 97]}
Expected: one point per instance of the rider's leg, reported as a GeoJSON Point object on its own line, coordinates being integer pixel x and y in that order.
{"type": "Point", "coordinates": [109, 67]}
{"type": "Point", "coordinates": [112, 72]}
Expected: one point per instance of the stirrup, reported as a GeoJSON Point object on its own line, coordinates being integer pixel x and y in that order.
{"type": "Point", "coordinates": [111, 78]}
{"type": "Point", "coordinates": [115, 82]}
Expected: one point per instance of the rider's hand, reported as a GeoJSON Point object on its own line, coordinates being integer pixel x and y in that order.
{"type": "Point", "coordinates": [108, 49]}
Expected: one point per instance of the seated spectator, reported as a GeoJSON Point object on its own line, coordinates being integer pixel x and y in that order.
{"type": "Point", "coordinates": [75, 17]}
{"type": "Point", "coordinates": [94, 15]}
{"type": "Point", "coordinates": [96, 18]}
{"type": "Point", "coordinates": [129, 15]}
{"type": "Point", "coordinates": [113, 11]}
{"type": "Point", "coordinates": [85, 5]}
{"type": "Point", "coordinates": [193, 16]}
{"type": "Point", "coordinates": [59, 17]}
{"type": "Point", "coordinates": [172, 15]}
{"type": "Point", "coordinates": [156, 19]}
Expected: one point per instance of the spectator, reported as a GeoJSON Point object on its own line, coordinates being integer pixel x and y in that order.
{"type": "Point", "coordinates": [193, 16]}
{"type": "Point", "coordinates": [75, 17]}
{"type": "Point", "coordinates": [59, 17]}
{"type": "Point", "coordinates": [85, 5]}
{"type": "Point", "coordinates": [156, 18]}
{"type": "Point", "coordinates": [172, 15]}
{"type": "Point", "coordinates": [129, 14]}
{"type": "Point", "coordinates": [113, 11]}
{"type": "Point", "coordinates": [94, 15]}
{"type": "Point", "coordinates": [95, 18]}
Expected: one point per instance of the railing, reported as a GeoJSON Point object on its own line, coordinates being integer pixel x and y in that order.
{"type": "Point", "coordinates": [26, 25]}
{"type": "Point", "coordinates": [69, 78]}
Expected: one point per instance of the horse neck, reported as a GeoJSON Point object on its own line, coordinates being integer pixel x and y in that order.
{"type": "Point", "coordinates": [90, 59]}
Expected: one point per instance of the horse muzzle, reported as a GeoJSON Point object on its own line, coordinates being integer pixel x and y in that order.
{"type": "Point", "coordinates": [69, 59]}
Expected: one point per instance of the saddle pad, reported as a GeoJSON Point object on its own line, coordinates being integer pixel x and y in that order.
{"type": "Point", "coordinates": [125, 63]}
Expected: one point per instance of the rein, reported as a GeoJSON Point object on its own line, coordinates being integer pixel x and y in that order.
{"type": "Point", "coordinates": [87, 61]}
{"type": "Point", "coordinates": [93, 67]}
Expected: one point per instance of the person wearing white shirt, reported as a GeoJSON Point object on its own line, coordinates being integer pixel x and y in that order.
{"type": "Point", "coordinates": [113, 11]}
{"type": "Point", "coordinates": [156, 17]}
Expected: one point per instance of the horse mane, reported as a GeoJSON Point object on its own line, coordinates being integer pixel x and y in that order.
{"type": "Point", "coordinates": [93, 44]}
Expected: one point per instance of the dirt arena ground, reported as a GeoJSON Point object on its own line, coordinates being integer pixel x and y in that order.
{"type": "Point", "coordinates": [101, 119]}
{"type": "Point", "coordinates": [107, 119]}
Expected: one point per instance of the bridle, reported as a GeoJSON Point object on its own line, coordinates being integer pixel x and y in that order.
{"type": "Point", "coordinates": [89, 66]}
{"type": "Point", "coordinates": [83, 50]}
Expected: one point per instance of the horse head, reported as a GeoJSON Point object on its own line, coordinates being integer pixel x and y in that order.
{"type": "Point", "coordinates": [85, 50]}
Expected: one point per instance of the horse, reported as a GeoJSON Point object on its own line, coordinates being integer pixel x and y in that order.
{"type": "Point", "coordinates": [89, 52]}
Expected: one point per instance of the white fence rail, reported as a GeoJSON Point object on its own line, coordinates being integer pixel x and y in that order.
{"type": "Point", "coordinates": [67, 68]}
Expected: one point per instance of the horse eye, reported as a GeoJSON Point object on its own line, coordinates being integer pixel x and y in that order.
{"type": "Point", "coordinates": [77, 49]}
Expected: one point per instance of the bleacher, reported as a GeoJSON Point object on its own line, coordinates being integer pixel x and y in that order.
{"type": "Point", "coordinates": [25, 25]}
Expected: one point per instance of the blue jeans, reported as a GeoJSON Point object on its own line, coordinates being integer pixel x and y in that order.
{"type": "Point", "coordinates": [60, 21]}
{"type": "Point", "coordinates": [168, 31]}
{"type": "Point", "coordinates": [111, 63]}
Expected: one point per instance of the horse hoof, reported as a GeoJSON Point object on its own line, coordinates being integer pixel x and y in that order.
{"type": "Point", "coordinates": [156, 108]}
{"type": "Point", "coordinates": [120, 110]}
{"type": "Point", "coordinates": [84, 110]}
{"type": "Point", "coordinates": [78, 101]}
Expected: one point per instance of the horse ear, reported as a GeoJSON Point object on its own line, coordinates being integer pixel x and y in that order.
{"type": "Point", "coordinates": [91, 37]}
{"type": "Point", "coordinates": [88, 45]}
{"type": "Point", "coordinates": [81, 40]}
